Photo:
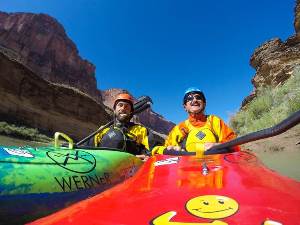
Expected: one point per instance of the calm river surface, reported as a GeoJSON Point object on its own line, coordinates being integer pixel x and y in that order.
{"type": "Point", "coordinates": [286, 163]}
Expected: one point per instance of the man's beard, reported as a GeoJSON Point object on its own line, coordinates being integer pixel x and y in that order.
{"type": "Point", "coordinates": [123, 118]}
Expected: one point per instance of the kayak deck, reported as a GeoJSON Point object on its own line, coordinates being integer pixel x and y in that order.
{"type": "Point", "coordinates": [168, 190]}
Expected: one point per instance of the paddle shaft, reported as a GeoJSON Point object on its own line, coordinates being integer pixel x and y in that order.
{"type": "Point", "coordinates": [283, 126]}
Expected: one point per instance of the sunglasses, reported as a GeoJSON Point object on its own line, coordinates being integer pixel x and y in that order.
{"type": "Point", "coordinates": [192, 97]}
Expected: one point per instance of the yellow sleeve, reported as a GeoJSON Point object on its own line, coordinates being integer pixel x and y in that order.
{"type": "Point", "coordinates": [143, 137]}
{"type": "Point", "coordinates": [139, 134]}
{"type": "Point", "coordinates": [224, 132]}
{"type": "Point", "coordinates": [174, 139]}
{"type": "Point", "coordinates": [98, 137]}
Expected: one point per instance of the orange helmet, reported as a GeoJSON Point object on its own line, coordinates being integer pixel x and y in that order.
{"type": "Point", "coordinates": [124, 97]}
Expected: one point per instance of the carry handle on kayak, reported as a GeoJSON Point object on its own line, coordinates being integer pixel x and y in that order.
{"type": "Point", "coordinates": [281, 127]}
{"type": "Point", "coordinates": [143, 103]}
{"type": "Point", "coordinates": [66, 137]}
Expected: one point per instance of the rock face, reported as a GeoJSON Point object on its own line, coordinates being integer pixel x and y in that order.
{"type": "Point", "coordinates": [275, 60]}
{"type": "Point", "coordinates": [148, 117]}
{"type": "Point", "coordinates": [155, 121]}
{"type": "Point", "coordinates": [297, 17]}
{"type": "Point", "coordinates": [28, 99]}
{"type": "Point", "coordinates": [42, 45]}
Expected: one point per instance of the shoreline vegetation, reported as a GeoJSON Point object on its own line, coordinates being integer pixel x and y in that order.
{"type": "Point", "coordinates": [23, 133]}
{"type": "Point", "coordinates": [270, 106]}
{"type": "Point", "coordinates": [17, 142]}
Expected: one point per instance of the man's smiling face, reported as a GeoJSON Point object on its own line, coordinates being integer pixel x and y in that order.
{"type": "Point", "coordinates": [194, 104]}
{"type": "Point", "coordinates": [123, 111]}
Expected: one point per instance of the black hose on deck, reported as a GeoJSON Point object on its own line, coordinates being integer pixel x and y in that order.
{"type": "Point", "coordinates": [176, 152]}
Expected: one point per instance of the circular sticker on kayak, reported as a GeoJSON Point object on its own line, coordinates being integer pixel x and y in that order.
{"type": "Point", "coordinates": [76, 161]}
{"type": "Point", "coordinates": [212, 206]}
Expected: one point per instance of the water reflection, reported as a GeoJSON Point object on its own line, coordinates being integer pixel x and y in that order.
{"type": "Point", "coordinates": [284, 162]}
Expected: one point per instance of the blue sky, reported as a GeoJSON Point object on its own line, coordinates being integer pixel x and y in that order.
{"type": "Point", "coordinates": [161, 47]}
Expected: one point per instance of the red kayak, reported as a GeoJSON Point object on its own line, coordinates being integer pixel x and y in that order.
{"type": "Point", "coordinates": [221, 189]}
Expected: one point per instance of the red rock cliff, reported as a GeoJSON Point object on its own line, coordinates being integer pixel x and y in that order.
{"type": "Point", "coordinates": [28, 99]}
{"type": "Point", "coordinates": [42, 45]}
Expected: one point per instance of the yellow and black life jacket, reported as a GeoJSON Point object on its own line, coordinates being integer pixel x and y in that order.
{"type": "Point", "coordinates": [195, 137]}
{"type": "Point", "coordinates": [131, 138]}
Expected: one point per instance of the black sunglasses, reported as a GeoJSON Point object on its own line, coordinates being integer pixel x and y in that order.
{"type": "Point", "coordinates": [192, 97]}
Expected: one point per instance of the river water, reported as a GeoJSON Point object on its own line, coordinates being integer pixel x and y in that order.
{"type": "Point", "coordinates": [284, 162]}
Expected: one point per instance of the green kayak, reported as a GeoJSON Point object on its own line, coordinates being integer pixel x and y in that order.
{"type": "Point", "coordinates": [37, 181]}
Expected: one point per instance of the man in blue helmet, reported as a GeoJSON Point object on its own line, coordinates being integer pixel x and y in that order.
{"type": "Point", "coordinates": [200, 131]}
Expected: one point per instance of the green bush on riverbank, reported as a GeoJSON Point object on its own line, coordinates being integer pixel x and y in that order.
{"type": "Point", "coordinates": [271, 106]}
{"type": "Point", "coordinates": [23, 132]}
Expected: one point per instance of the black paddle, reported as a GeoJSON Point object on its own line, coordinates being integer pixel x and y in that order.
{"type": "Point", "coordinates": [281, 127]}
{"type": "Point", "coordinates": [142, 103]}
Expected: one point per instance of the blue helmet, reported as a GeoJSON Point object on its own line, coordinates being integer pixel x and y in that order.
{"type": "Point", "coordinates": [193, 90]}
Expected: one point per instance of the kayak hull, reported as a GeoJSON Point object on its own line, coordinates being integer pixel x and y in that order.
{"type": "Point", "coordinates": [224, 189]}
{"type": "Point", "coordinates": [37, 181]}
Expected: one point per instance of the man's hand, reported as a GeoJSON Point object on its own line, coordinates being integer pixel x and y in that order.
{"type": "Point", "coordinates": [209, 145]}
{"type": "Point", "coordinates": [144, 158]}
{"type": "Point", "coordinates": [176, 148]}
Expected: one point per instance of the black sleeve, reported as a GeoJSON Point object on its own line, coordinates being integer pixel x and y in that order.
{"type": "Point", "coordinates": [151, 139]}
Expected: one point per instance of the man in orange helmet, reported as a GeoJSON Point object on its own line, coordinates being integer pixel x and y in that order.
{"type": "Point", "coordinates": [199, 132]}
{"type": "Point", "coordinates": [123, 134]}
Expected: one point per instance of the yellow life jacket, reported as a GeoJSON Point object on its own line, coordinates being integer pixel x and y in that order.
{"type": "Point", "coordinates": [196, 137]}
{"type": "Point", "coordinates": [193, 138]}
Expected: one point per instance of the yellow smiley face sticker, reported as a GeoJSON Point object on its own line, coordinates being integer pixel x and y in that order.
{"type": "Point", "coordinates": [212, 206]}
